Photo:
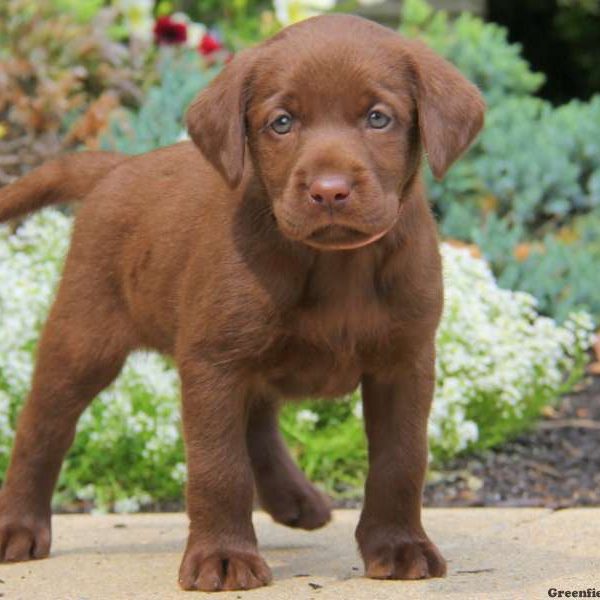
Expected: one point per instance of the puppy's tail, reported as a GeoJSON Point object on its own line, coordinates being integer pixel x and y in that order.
{"type": "Point", "coordinates": [63, 179]}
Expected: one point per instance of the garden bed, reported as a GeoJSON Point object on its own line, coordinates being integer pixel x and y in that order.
{"type": "Point", "coordinates": [503, 356]}
{"type": "Point", "coordinates": [556, 464]}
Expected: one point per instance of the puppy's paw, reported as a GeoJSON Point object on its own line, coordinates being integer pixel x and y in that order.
{"type": "Point", "coordinates": [400, 556]}
{"type": "Point", "coordinates": [223, 570]}
{"type": "Point", "coordinates": [23, 536]}
{"type": "Point", "coordinates": [299, 505]}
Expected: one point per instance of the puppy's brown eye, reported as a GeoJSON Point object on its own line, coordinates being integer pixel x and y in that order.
{"type": "Point", "coordinates": [378, 120]}
{"type": "Point", "coordinates": [282, 124]}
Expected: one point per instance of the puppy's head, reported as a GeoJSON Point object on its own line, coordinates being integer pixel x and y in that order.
{"type": "Point", "coordinates": [335, 112]}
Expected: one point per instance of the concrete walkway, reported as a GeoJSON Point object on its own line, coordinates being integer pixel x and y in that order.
{"type": "Point", "coordinates": [492, 553]}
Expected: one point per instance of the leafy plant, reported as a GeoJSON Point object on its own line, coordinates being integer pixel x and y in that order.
{"type": "Point", "coordinates": [54, 67]}
{"type": "Point", "coordinates": [159, 120]}
{"type": "Point", "coordinates": [560, 270]}
{"type": "Point", "coordinates": [534, 167]}
{"type": "Point", "coordinates": [82, 11]}
{"type": "Point", "coordinates": [328, 441]}
{"type": "Point", "coordinates": [480, 50]}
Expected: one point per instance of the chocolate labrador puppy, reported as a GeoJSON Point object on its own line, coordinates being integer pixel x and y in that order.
{"type": "Point", "coordinates": [289, 251]}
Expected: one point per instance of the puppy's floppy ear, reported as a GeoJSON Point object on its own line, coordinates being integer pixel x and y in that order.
{"type": "Point", "coordinates": [451, 108]}
{"type": "Point", "coordinates": [216, 119]}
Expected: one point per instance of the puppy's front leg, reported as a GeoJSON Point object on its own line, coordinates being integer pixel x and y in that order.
{"type": "Point", "coordinates": [284, 491]}
{"type": "Point", "coordinates": [391, 538]}
{"type": "Point", "coordinates": [221, 552]}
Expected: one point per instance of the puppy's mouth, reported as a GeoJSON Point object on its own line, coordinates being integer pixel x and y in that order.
{"type": "Point", "coordinates": [340, 237]}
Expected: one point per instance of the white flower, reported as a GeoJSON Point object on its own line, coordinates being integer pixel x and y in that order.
{"type": "Point", "coordinates": [181, 17]}
{"type": "Point", "coordinates": [320, 4]}
{"type": "Point", "coordinates": [494, 348]}
{"type": "Point", "coordinates": [86, 493]}
{"type": "Point", "coordinates": [195, 33]}
{"type": "Point", "coordinates": [179, 473]}
{"type": "Point", "coordinates": [307, 416]}
{"type": "Point", "coordinates": [127, 505]}
{"type": "Point", "coordinates": [292, 11]}
{"type": "Point", "coordinates": [138, 16]}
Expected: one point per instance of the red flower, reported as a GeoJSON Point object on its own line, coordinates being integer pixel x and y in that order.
{"type": "Point", "coordinates": [209, 44]}
{"type": "Point", "coordinates": [167, 31]}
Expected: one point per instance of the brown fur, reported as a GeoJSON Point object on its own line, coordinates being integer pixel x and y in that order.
{"type": "Point", "coordinates": [226, 260]}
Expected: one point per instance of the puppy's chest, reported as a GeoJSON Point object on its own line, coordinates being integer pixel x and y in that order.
{"type": "Point", "coordinates": [337, 328]}
{"type": "Point", "coordinates": [324, 352]}
{"type": "Point", "coordinates": [295, 368]}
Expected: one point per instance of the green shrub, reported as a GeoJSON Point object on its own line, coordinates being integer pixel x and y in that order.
{"type": "Point", "coordinates": [60, 73]}
{"type": "Point", "coordinates": [327, 439]}
{"type": "Point", "coordinates": [480, 50]}
{"type": "Point", "coordinates": [532, 169]}
{"type": "Point", "coordinates": [159, 120]}
{"type": "Point", "coordinates": [560, 270]}
{"type": "Point", "coordinates": [128, 448]}
{"type": "Point", "coordinates": [498, 363]}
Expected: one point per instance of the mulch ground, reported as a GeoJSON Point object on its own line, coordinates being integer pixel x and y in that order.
{"type": "Point", "coordinates": [556, 464]}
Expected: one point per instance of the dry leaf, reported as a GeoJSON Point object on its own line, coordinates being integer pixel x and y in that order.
{"type": "Point", "coordinates": [473, 249]}
{"type": "Point", "coordinates": [489, 204]}
{"type": "Point", "coordinates": [567, 234]}
{"type": "Point", "coordinates": [521, 251]}
{"type": "Point", "coordinates": [94, 121]}
{"type": "Point", "coordinates": [594, 368]}
{"type": "Point", "coordinates": [549, 412]}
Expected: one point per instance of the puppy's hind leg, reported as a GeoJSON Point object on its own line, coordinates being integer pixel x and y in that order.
{"type": "Point", "coordinates": [82, 350]}
{"type": "Point", "coordinates": [283, 490]}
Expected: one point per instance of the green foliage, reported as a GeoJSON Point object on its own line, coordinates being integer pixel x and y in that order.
{"type": "Point", "coordinates": [480, 50]}
{"type": "Point", "coordinates": [561, 270]}
{"type": "Point", "coordinates": [331, 450]}
{"type": "Point", "coordinates": [60, 73]}
{"type": "Point", "coordinates": [532, 169]}
{"type": "Point", "coordinates": [540, 165]}
{"type": "Point", "coordinates": [82, 11]}
{"type": "Point", "coordinates": [241, 22]}
{"type": "Point", "coordinates": [159, 121]}
{"type": "Point", "coordinates": [561, 38]}
{"type": "Point", "coordinates": [129, 444]}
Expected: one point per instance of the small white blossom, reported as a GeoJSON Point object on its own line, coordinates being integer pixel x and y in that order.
{"type": "Point", "coordinates": [127, 505]}
{"type": "Point", "coordinates": [138, 16]}
{"type": "Point", "coordinates": [195, 33]}
{"type": "Point", "coordinates": [292, 11]}
{"type": "Point", "coordinates": [307, 416]}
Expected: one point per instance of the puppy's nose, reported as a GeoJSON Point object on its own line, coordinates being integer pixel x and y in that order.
{"type": "Point", "coordinates": [330, 190]}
